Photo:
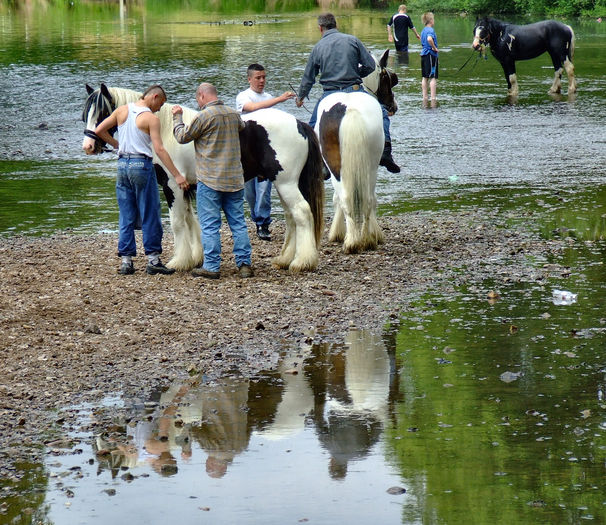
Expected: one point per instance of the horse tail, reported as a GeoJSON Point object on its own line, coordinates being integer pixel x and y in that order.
{"type": "Point", "coordinates": [356, 165]}
{"type": "Point", "coordinates": [311, 179]}
{"type": "Point", "coordinates": [571, 46]}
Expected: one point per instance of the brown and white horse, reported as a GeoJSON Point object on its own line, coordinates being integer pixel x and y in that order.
{"type": "Point", "coordinates": [350, 129]}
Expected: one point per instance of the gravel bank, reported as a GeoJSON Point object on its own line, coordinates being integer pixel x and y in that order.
{"type": "Point", "coordinates": [73, 330]}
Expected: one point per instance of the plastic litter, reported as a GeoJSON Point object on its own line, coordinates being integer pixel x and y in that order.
{"type": "Point", "coordinates": [563, 297]}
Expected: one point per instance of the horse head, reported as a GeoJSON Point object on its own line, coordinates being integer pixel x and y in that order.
{"type": "Point", "coordinates": [99, 105]}
{"type": "Point", "coordinates": [481, 33]}
{"type": "Point", "coordinates": [381, 82]}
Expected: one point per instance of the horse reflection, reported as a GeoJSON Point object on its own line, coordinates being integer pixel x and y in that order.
{"type": "Point", "coordinates": [351, 397]}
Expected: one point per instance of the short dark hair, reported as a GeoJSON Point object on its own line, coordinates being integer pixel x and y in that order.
{"type": "Point", "coordinates": [254, 67]}
{"type": "Point", "coordinates": [156, 88]}
{"type": "Point", "coordinates": [327, 21]}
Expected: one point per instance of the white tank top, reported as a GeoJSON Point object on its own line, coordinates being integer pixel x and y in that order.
{"type": "Point", "coordinates": [130, 138]}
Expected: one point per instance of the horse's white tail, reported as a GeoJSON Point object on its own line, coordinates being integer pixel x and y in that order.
{"type": "Point", "coordinates": [356, 173]}
{"type": "Point", "coordinates": [572, 43]}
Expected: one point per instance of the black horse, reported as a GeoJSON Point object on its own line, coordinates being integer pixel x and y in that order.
{"type": "Point", "coordinates": [509, 43]}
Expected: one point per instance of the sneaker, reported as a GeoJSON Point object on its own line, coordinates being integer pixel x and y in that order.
{"type": "Point", "coordinates": [153, 269]}
{"type": "Point", "coordinates": [245, 271]}
{"type": "Point", "coordinates": [203, 272]}
{"type": "Point", "coordinates": [263, 233]}
{"type": "Point", "coordinates": [126, 269]}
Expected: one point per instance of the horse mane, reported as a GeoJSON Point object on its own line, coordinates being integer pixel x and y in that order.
{"type": "Point", "coordinates": [122, 96]}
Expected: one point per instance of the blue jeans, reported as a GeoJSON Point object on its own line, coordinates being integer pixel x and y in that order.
{"type": "Point", "coordinates": [209, 205]}
{"type": "Point", "coordinates": [314, 115]}
{"type": "Point", "coordinates": [138, 198]}
{"type": "Point", "coordinates": [258, 196]}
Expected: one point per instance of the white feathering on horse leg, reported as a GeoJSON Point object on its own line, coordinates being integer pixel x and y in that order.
{"type": "Point", "coordinates": [556, 87]}
{"type": "Point", "coordinates": [287, 253]}
{"type": "Point", "coordinates": [514, 89]}
{"type": "Point", "coordinates": [306, 253]}
{"type": "Point", "coordinates": [572, 84]}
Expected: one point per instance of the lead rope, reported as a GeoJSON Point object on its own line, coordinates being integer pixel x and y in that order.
{"type": "Point", "coordinates": [294, 91]}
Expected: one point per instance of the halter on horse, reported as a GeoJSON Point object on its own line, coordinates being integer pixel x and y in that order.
{"type": "Point", "coordinates": [381, 82]}
{"type": "Point", "coordinates": [509, 43]}
{"type": "Point", "coordinates": [274, 145]}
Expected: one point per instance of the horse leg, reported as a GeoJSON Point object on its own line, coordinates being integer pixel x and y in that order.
{"type": "Point", "coordinates": [337, 227]}
{"type": "Point", "coordinates": [509, 68]}
{"type": "Point", "coordinates": [375, 234]}
{"type": "Point", "coordinates": [556, 87]}
{"type": "Point", "coordinates": [181, 220]}
{"type": "Point", "coordinates": [301, 253]}
{"type": "Point", "coordinates": [287, 253]}
{"type": "Point", "coordinates": [572, 83]}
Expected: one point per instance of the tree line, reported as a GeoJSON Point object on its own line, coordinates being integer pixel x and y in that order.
{"type": "Point", "coordinates": [550, 8]}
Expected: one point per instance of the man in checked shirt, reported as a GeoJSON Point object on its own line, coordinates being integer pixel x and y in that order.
{"type": "Point", "coordinates": [215, 132]}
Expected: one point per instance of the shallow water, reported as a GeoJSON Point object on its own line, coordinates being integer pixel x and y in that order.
{"type": "Point", "coordinates": [485, 412]}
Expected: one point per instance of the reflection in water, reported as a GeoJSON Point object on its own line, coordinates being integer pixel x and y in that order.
{"type": "Point", "coordinates": [343, 392]}
{"type": "Point", "coordinates": [351, 390]}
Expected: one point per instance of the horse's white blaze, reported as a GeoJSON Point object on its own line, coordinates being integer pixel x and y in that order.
{"type": "Point", "coordinates": [88, 144]}
{"type": "Point", "coordinates": [361, 142]}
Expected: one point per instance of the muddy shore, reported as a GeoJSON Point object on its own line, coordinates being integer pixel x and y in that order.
{"type": "Point", "coordinates": [73, 330]}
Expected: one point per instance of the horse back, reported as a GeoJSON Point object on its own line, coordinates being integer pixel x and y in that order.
{"type": "Point", "coordinates": [529, 41]}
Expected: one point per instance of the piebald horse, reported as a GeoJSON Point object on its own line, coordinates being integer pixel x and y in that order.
{"type": "Point", "coordinates": [274, 145]}
{"type": "Point", "coordinates": [509, 43]}
{"type": "Point", "coordinates": [350, 129]}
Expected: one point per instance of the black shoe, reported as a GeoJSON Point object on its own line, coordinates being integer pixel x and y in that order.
{"type": "Point", "coordinates": [387, 161]}
{"type": "Point", "coordinates": [126, 269]}
{"type": "Point", "coordinates": [153, 269]}
{"type": "Point", "coordinates": [263, 233]}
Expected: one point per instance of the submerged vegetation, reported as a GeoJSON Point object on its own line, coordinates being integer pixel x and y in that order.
{"type": "Point", "coordinates": [564, 8]}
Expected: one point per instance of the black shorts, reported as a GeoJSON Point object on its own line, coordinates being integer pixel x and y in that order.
{"type": "Point", "coordinates": [429, 66]}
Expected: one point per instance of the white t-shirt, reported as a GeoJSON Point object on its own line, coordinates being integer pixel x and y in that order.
{"type": "Point", "coordinates": [249, 95]}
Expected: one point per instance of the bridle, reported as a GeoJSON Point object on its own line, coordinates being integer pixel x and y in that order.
{"type": "Point", "coordinates": [482, 41]}
{"type": "Point", "coordinates": [92, 135]}
{"type": "Point", "coordinates": [384, 72]}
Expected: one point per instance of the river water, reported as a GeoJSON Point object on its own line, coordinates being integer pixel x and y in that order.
{"type": "Point", "coordinates": [480, 423]}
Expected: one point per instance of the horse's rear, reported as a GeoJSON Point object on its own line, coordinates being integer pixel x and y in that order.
{"type": "Point", "coordinates": [350, 128]}
{"type": "Point", "coordinates": [277, 146]}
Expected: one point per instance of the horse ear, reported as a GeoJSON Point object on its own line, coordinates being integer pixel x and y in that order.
{"type": "Point", "coordinates": [89, 89]}
{"type": "Point", "coordinates": [105, 92]}
{"type": "Point", "coordinates": [384, 57]}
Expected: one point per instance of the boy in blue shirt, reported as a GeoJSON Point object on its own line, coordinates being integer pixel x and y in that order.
{"type": "Point", "coordinates": [429, 57]}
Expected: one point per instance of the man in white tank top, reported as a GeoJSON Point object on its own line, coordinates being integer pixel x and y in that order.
{"type": "Point", "coordinates": [136, 186]}
{"type": "Point", "coordinates": [258, 192]}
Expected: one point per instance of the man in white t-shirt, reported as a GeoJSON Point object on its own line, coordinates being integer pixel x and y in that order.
{"type": "Point", "coordinates": [258, 192]}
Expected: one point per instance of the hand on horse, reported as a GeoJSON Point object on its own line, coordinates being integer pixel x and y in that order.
{"type": "Point", "coordinates": [182, 182]}
{"type": "Point", "coordinates": [177, 110]}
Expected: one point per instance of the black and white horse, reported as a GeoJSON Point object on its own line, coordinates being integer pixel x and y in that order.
{"type": "Point", "coordinates": [350, 129]}
{"type": "Point", "coordinates": [275, 145]}
{"type": "Point", "coordinates": [509, 43]}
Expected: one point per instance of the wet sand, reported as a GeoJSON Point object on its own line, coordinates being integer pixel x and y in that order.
{"type": "Point", "coordinates": [74, 331]}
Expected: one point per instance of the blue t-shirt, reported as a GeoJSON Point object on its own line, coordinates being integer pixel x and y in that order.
{"type": "Point", "coordinates": [427, 50]}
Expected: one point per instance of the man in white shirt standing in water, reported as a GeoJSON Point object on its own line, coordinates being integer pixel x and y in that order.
{"type": "Point", "coordinates": [258, 192]}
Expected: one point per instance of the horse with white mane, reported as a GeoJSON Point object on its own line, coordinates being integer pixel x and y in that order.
{"type": "Point", "coordinates": [274, 145]}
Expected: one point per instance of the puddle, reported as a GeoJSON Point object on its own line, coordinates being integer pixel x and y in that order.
{"type": "Point", "coordinates": [306, 443]}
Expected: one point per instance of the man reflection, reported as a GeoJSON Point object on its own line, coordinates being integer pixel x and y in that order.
{"type": "Point", "coordinates": [224, 431]}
